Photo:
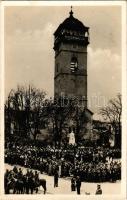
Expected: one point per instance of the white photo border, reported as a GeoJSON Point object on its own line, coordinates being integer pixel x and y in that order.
{"type": "Point", "coordinates": [121, 196]}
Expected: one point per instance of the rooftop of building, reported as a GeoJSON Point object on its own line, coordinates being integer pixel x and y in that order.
{"type": "Point", "coordinates": [71, 23]}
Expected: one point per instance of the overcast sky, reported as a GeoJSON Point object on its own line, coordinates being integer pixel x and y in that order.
{"type": "Point", "coordinates": [29, 55]}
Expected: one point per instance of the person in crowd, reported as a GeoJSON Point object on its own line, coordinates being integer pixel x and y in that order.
{"type": "Point", "coordinates": [78, 184]}
{"type": "Point", "coordinates": [31, 184]}
{"type": "Point", "coordinates": [6, 181]}
{"type": "Point", "coordinates": [73, 184]}
{"type": "Point", "coordinates": [20, 174]}
{"type": "Point", "coordinates": [15, 170]}
{"type": "Point", "coordinates": [56, 175]}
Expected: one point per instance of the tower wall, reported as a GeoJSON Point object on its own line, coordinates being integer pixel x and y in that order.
{"type": "Point", "coordinates": [66, 82]}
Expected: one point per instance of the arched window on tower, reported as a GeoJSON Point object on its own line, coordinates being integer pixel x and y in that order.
{"type": "Point", "coordinates": [87, 35]}
{"type": "Point", "coordinates": [74, 64]}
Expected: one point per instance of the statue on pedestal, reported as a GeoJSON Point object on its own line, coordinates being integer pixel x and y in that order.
{"type": "Point", "coordinates": [72, 138]}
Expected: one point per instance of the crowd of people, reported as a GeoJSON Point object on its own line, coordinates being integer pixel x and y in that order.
{"type": "Point", "coordinates": [91, 164]}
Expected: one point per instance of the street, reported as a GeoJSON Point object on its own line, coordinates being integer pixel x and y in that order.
{"type": "Point", "coordinates": [64, 185]}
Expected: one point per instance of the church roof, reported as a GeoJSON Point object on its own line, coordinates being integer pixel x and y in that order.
{"type": "Point", "coordinates": [71, 23]}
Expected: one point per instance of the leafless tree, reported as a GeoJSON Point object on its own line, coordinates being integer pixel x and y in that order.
{"type": "Point", "coordinates": [112, 113]}
{"type": "Point", "coordinates": [25, 108]}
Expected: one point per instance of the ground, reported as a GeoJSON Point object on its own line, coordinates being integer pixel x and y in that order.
{"type": "Point", "coordinates": [65, 185]}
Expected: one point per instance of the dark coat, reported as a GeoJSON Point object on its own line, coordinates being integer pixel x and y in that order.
{"type": "Point", "coordinates": [78, 182]}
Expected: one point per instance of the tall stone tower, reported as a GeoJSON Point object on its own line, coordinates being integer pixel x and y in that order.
{"type": "Point", "coordinates": [70, 44]}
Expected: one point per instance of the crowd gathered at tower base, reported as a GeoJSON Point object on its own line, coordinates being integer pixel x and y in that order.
{"type": "Point", "coordinates": [91, 164]}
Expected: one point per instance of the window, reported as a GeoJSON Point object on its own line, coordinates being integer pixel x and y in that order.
{"type": "Point", "coordinates": [74, 64]}
{"type": "Point", "coordinates": [86, 34]}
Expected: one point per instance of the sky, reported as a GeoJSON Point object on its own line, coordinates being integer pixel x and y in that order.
{"type": "Point", "coordinates": [29, 54]}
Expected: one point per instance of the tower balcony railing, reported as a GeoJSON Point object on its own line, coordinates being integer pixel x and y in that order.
{"type": "Point", "coordinates": [83, 40]}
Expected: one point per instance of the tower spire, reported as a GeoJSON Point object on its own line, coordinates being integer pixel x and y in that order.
{"type": "Point", "coordinates": [71, 12]}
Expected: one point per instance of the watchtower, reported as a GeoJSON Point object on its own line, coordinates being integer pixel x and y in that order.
{"type": "Point", "coordinates": [70, 45]}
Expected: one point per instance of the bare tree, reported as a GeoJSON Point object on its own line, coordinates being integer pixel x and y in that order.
{"type": "Point", "coordinates": [25, 109]}
{"type": "Point", "coordinates": [57, 115]}
{"type": "Point", "coordinates": [112, 113]}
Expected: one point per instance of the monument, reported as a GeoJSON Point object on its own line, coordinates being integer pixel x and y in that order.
{"type": "Point", "coordinates": [72, 138]}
